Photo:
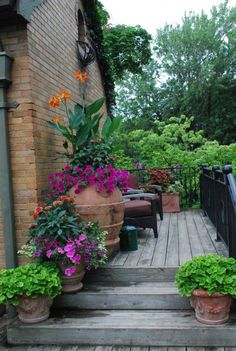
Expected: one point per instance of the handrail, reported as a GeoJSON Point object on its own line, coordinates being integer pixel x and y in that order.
{"type": "Point", "coordinates": [218, 201]}
{"type": "Point", "coordinates": [232, 187]}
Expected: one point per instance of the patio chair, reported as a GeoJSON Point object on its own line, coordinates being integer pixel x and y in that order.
{"type": "Point", "coordinates": [140, 211]}
{"type": "Point", "coordinates": [156, 189]}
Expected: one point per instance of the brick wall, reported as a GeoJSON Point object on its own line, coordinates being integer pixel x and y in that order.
{"type": "Point", "coordinates": [21, 136]}
{"type": "Point", "coordinates": [45, 60]}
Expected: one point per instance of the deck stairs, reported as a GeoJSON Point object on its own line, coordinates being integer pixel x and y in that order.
{"type": "Point", "coordinates": [133, 306]}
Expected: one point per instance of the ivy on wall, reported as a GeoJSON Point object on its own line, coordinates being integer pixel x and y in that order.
{"type": "Point", "coordinates": [94, 24]}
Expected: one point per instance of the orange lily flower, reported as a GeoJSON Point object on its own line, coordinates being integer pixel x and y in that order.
{"type": "Point", "coordinates": [57, 203]}
{"type": "Point", "coordinates": [64, 94]}
{"type": "Point", "coordinates": [81, 76]}
{"type": "Point", "coordinates": [57, 119]}
{"type": "Point", "coordinates": [54, 101]}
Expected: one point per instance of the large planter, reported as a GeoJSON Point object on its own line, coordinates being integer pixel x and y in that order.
{"type": "Point", "coordinates": [210, 309]}
{"type": "Point", "coordinates": [73, 283]}
{"type": "Point", "coordinates": [170, 202]}
{"type": "Point", "coordinates": [105, 208]}
{"type": "Point", "coordinates": [34, 310]}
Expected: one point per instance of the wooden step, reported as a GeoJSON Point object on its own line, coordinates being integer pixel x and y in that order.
{"type": "Point", "coordinates": [133, 328]}
{"type": "Point", "coordinates": [127, 296]}
{"type": "Point", "coordinates": [132, 274]}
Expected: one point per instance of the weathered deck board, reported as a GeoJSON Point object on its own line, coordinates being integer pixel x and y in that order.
{"type": "Point", "coordinates": [114, 348]}
{"type": "Point", "coordinates": [181, 237]}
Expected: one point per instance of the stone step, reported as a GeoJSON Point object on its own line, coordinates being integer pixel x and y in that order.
{"type": "Point", "coordinates": [129, 296]}
{"type": "Point", "coordinates": [136, 328]}
{"type": "Point", "coordinates": [132, 274]}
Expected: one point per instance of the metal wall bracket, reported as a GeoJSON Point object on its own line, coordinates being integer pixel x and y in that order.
{"type": "Point", "coordinates": [8, 105]}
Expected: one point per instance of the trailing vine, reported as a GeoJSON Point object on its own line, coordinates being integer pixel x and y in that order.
{"type": "Point", "coordinates": [94, 23]}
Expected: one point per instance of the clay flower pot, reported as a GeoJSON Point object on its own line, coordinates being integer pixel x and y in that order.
{"type": "Point", "coordinates": [210, 309]}
{"type": "Point", "coordinates": [34, 310]}
{"type": "Point", "coordinates": [170, 202]}
{"type": "Point", "coordinates": [105, 208]}
{"type": "Point", "coordinates": [73, 283]}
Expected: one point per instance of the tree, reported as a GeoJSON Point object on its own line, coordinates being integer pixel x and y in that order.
{"type": "Point", "coordinates": [168, 143]}
{"type": "Point", "coordinates": [198, 58]}
{"type": "Point", "coordinates": [128, 48]}
{"type": "Point", "coordinates": [137, 99]}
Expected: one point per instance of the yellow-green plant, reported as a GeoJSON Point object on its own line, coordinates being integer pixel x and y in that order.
{"type": "Point", "coordinates": [213, 273]}
{"type": "Point", "coordinates": [32, 280]}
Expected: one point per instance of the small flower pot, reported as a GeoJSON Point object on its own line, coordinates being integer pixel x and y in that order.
{"type": "Point", "coordinates": [34, 310]}
{"type": "Point", "coordinates": [73, 283]}
{"type": "Point", "coordinates": [210, 309]}
{"type": "Point", "coordinates": [170, 202]}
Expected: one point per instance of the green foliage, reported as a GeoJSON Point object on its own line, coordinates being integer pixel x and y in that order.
{"type": "Point", "coordinates": [171, 142]}
{"type": "Point", "coordinates": [199, 62]}
{"type": "Point", "coordinates": [96, 18]}
{"type": "Point", "coordinates": [128, 49]}
{"type": "Point", "coordinates": [83, 133]}
{"type": "Point", "coordinates": [137, 100]}
{"type": "Point", "coordinates": [176, 186]}
{"type": "Point", "coordinates": [56, 221]}
{"type": "Point", "coordinates": [32, 280]}
{"type": "Point", "coordinates": [212, 273]}
{"type": "Point", "coordinates": [192, 72]}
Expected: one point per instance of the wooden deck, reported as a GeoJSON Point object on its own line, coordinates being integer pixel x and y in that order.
{"type": "Point", "coordinates": [181, 237]}
{"type": "Point", "coordinates": [114, 348]}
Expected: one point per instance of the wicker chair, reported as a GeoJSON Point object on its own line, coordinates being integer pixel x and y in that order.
{"type": "Point", "coordinates": [140, 211]}
{"type": "Point", "coordinates": [156, 189]}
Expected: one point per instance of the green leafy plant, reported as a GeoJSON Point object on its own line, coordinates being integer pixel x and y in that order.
{"type": "Point", "coordinates": [213, 273]}
{"type": "Point", "coordinates": [175, 187]}
{"type": "Point", "coordinates": [32, 280]}
{"type": "Point", "coordinates": [58, 236]}
{"type": "Point", "coordinates": [81, 131]}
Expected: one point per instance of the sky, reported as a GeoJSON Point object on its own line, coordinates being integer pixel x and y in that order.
{"type": "Point", "coordinates": [153, 14]}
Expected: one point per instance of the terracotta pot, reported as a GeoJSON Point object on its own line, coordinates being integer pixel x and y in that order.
{"type": "Point", "coordinates": [170, 202]}
{"type": "Point", "coordinates": [34, 310]}
{"type": "Point", "coordinates": [210, 309]}
{"type": "Point", "coordinates": [105, 208]}
{"type": "Point", "coordinates": [74, 282]}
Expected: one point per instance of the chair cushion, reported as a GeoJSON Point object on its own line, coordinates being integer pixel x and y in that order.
{"type": "Point", "coordinates": [133, 180]}
{"type": "Point", "coordinates": [138, 208]}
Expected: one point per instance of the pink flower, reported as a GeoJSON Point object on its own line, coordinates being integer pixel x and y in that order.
{"type": "Point", "coordinates": [69, 247]}
{"type": "Point", "coordinates": [69, 271]}
{"type": "Point", "coordinates": [82, 237]}
{"type": "Point", "coordinates": [60, 250]}
{"type": "Point", "coordinates": [76, 259]}
{"type": "Point", "coordinates": [49, 253]}
{"type": "Point", "coordinates": [70, 253]}
{"type": "Point", "coordinates": [67, 168]}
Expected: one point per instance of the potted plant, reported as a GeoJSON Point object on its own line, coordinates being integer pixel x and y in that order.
{"type": "Point", "coordinates": [31, 289]}
{"type": "Point", "coordinates": [210, 282]}
{"type": "Point", "coordinates": [171, 189]}
{"type": "Point", "coordinates": [57, 235]}
{"type": "Point", "coordinates": [89, 172]}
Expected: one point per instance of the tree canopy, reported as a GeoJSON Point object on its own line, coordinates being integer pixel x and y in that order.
{"type": "Point", "coordinates": [193, 72]}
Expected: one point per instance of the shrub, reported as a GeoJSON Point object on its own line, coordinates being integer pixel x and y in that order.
{"type": "Point", "coordinates": [213, 273]}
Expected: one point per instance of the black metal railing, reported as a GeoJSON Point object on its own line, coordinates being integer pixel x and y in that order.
{"type": "Point", "coordinates": [218, 201]}
{"type": "Point", "coordinates": [188, 178]}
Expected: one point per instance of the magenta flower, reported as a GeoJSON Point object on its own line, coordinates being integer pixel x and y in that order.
{"type": "Point", "coordinates": [82, 237]}
{"type": "Point", "coordinates": [107, 178]}
{"type": "Point", "coordinates": [49, 253]}
{"type": "Point", "coordinates": [60, 250]}
{"type": "Point", "coordinates": [69, 271]}
{"type": "Point", "coordinates": [76, 259]}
